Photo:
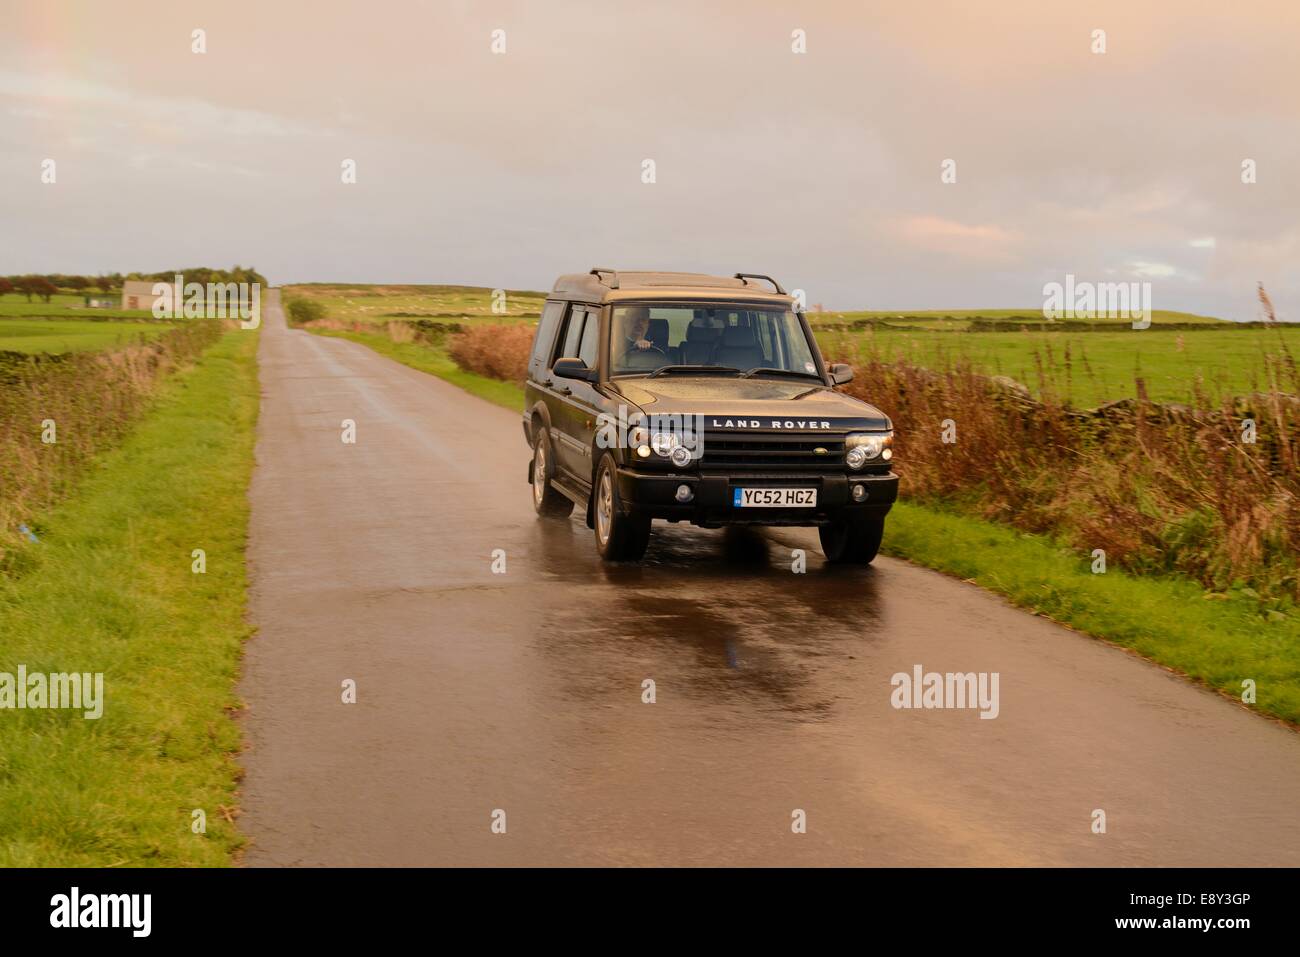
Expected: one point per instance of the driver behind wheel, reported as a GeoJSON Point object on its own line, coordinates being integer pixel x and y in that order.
{"type": "Point", "coordinates": [637, 319]}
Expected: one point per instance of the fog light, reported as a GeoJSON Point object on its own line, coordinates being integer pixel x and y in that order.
{"type": "Point", "coordinates": [859, 493]}
{"type": "Point", "coordinates": [681, 456]}
{"type": "Point", "coordinates": [684, 493]}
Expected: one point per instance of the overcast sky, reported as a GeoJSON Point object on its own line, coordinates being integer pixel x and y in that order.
{"type": "Point", "coordinates": [821, 168]}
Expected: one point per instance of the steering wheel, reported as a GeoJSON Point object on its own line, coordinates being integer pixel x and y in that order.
{"type": "Point", "coordinates": [633, 354]}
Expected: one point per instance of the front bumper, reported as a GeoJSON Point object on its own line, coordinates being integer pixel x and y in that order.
{"type": "Point", "coordinates": [654, 495]}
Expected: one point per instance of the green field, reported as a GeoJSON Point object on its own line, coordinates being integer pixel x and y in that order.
{"type": "Point", "coordinates": [963, 319]}
{"type": "Point", "coordinates": [109, 588]}
{"type": "Point", "coordinates": [70, 335]}
{"type": "Point", "coordinates": [64, 324]}
{"type": "Point", "coordinates": [372, 303]}
{"type": "Point", "coordinates": [1089, 367]}
{"type": "Point", "coordinates": [66, 306]}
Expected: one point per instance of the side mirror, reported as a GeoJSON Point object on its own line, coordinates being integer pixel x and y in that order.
{"type": "Point", "coordinates": [574, 369]}
{"type": "Point", "coordinates": [841, 374]}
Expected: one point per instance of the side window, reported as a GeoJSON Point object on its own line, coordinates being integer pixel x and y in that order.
{"type": "Point", "coordinates": [547, 326]}
{"type": "Point", "coordinates": [590, 333]}
{"type": "Point", "coordinates": [572, 334]}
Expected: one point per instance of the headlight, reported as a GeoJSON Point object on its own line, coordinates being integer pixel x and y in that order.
{"type": "Point", "coordinates": [664, 442]}
{"type": "Point", "coordinates": [863, 447]}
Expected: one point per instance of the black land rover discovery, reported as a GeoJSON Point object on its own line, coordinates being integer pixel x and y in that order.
{"type": "Point", "coordinates": [702, 399]}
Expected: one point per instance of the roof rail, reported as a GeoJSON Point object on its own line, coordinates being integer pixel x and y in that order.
{"type": "Point", "coordinates": [598, 271]}
{"type": "Point", "coordinates": [743, 276]}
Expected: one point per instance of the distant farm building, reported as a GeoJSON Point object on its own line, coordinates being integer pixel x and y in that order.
{"type": "Point", "coordinates": [138, 294]}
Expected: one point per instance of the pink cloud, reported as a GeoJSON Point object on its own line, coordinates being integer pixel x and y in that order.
{"type": "Point", "coordinates": [935, 234]}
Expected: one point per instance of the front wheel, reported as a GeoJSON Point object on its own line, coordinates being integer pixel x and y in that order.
{"type": "Point", "coordinates": [546, 500]}
{"type": "Point", "coordinates": [619, 537]}
{"type": "Point", "coordinates": [852, 541]}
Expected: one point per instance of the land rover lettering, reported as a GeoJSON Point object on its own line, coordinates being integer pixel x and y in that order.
{"type": "Point", "coordinates": [797, 424]}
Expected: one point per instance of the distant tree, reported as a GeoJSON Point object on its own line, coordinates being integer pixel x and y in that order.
{"type": "Point", "coordinates": [5, 286]}
{"type": "Point", "coordinates": [206, 274]}
{"type": "Point", "coordinates": [76, 283]}
{"type": "Point", "coordinates": [43, 288]}
{"type": "Point", "coordinates": [103, 283]}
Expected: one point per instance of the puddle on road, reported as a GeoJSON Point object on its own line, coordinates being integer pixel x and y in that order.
{"type": "Point", "coordinates": [714, 616]}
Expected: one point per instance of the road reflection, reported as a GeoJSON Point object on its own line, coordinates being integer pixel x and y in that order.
{"type": "Point", "coordinates": [718, 616]}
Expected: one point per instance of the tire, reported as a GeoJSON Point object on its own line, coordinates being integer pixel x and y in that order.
{"type": "Point", "coordinates": [547, 502]}
{"type": "Point", "coordinates": [619, 537]}
{"type": "Point", "coordinates": [852, 542]}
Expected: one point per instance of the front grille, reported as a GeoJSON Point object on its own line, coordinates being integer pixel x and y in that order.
{"type": "Point", "coordinates": [772, 451]}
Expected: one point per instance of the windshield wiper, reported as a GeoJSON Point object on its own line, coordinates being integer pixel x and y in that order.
{"type": "Point", "coordinates": [701, 370]}
{"type": "Point", "coordinates": [764, 371]}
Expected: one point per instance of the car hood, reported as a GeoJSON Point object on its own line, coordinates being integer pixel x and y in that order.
{"type": "Point", "coordinates": [728, 402]}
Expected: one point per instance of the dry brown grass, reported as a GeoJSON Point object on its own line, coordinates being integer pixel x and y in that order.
{"type": "Point", "coordinates": [496, 351]}
{"type": "Point", "coordinates": [1159, 488]}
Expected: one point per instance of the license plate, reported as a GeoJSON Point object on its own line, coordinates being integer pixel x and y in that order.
{"type": "Point", "coordinates": [774, 497]}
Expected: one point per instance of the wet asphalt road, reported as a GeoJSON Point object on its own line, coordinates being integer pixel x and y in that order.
{"type": "Point", "coordinates": [523, 691]}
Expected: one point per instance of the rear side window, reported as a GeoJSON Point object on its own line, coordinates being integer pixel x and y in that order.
{"type": "Point", "coordinates": [590, 332]}
{"type": "Point", "coordinates": [545, 341]}
{"type": "Point", "coordinates": [572, 335]}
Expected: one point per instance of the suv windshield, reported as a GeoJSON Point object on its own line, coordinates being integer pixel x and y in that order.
{"type": "Point", "coordinates": [738, 338]}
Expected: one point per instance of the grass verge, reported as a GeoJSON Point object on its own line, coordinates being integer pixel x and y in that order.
{"type": "Point", "coordinates": [110, 589]}
{"type": "Point", "coordinates": [436, 362]}
{"type": "Point", "coordinates": [1216, 640]}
